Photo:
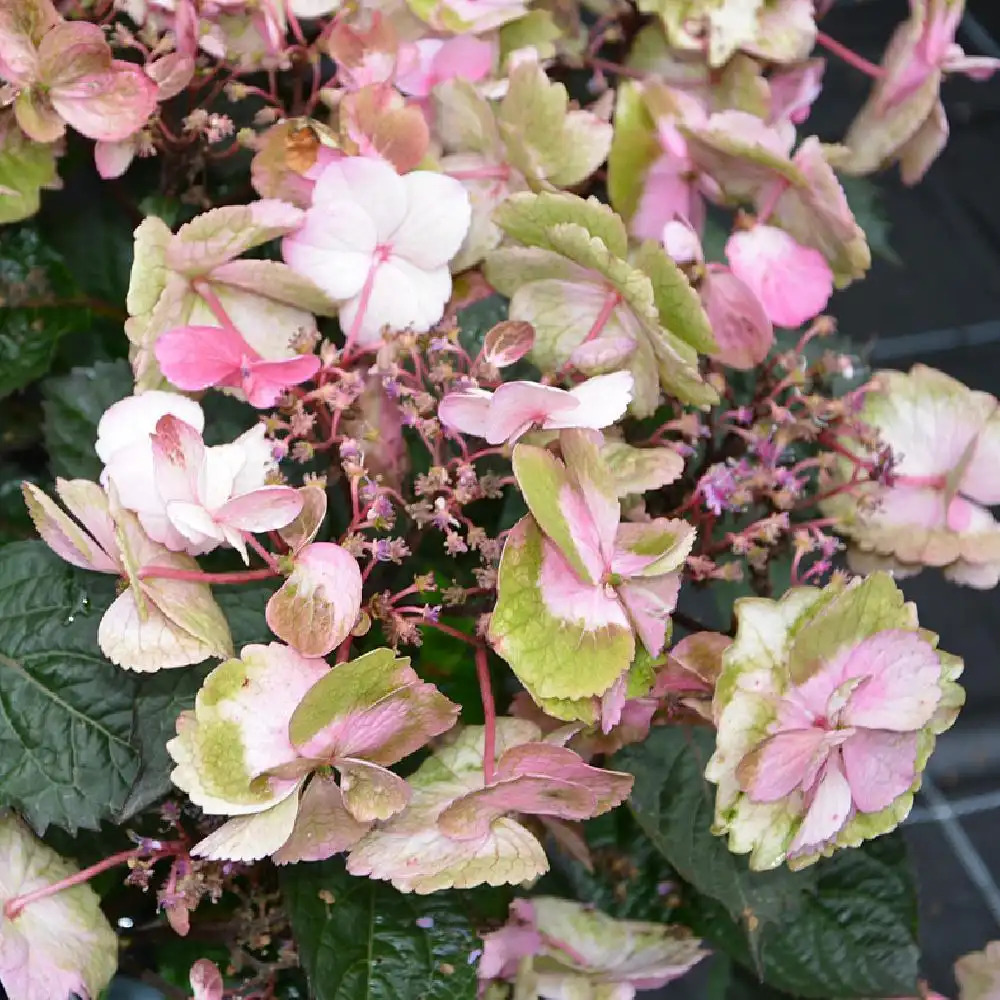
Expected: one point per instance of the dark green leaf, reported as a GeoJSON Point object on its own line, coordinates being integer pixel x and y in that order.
{"type": "Point", "coordinates": [66, 713]}
{"type": "Point", "coordinates": [243, 605]}
{"type": "Point", "coordinates": [159, 699]}
{"type": "Point", "coordinates": [475, 321]}
{"type": "Point", "coordinates": [359, 939]}
{"type": "Point", "coordinates": [845, 927]}
{"type": "Point", "coordinates": [34, 287]}
{"type": "Point", "coordinates": [866, 203]}
{"type": "Point", "coordinates": [73, 405]}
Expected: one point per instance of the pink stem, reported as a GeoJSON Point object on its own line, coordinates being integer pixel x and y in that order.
{"type": "Point", "coordinates": [611, 300]}
{"type": "Point", "coordinates": [771, 199]}
{"type": "Point", "coordinates": [359, 316]}
{"type": "Point", "coordinates": [293, 22]}
{"type": "Point", "coordinates": [490, 714]}
{"type": "Point", "coordinates": [204, 289]}
{"type": "Point", "coordinates": [196, 576]}
{"type": "Point", "coordinates": [261, 551]}
{"type": "Point", "coordinates": [849, 57]}
{"type": "Point", "coordinates": [934, 482]}
{"type": "Point", "coordinates": [14, 906]}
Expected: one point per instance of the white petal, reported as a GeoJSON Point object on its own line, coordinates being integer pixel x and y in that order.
{"type": "Point", "coordinates": [436, 221]}
{"type": "Point", "coordinates": [371, 185]}
{"type": "Point", "coordinates": [134, 418]}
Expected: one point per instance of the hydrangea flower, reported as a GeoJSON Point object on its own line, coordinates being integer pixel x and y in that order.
{"type": "Point", "coordinates": [512, 410]}
{"type": "Point", "coordinates": [261, 726]}
{"type": "Point", "coordinates": [904, 119]}
{"type": "Point", "coordinates": [457, 831]}
{"type": "Point", "coordinates": [575, 584]}
{"type": "Point", "coordinates": [189, 497]}
{"type": "Point", "coordinates": [560, 948]}
{"type": "Point", "coordinates": [933, 509]}
{"type": "Point", "coordinates": [827, 708]}
{"type": "Point", "coordinates": [59, 946]}
{"type": "Point", "coordinates": [183, 278]}
{"type": "Point", "coordinates": [380, 244]}
{"type": "Point", "coordinates": [63, 74]}
{"type": "Point", "coordinates": [154, 623]}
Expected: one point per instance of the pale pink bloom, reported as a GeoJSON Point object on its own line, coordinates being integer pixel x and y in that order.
{"type": "Point", "coordinates": [189, 497]}
{"type": "Point", "coordinates": [65, 74]}
{"type": "Point", "coordinates": [512, 410]}
{"type": "Point", "coordinates": [793, 283]}
{"type": "Point", "coordinates": [440, 59]}
{"type": "Point", "coordinates": [681, 241]}
{"type": "Point", "coordinates": [199, 357]}
{"type": "Point", "coordinates": [672, 187]}
{"type": "Point", "coordinates": [563, 948]}
{"type": "Point", "coordinates": [847, 738]}
{"type": "Point", "coordinates": [742, 328]}
{"type": "Point", "coordinates": [368, 56]}
{"type": "Point", "coordinates": [380, 244]}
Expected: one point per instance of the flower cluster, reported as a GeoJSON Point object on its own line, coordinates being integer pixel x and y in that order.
{"type": "Point", "coordinates": [451, 364]}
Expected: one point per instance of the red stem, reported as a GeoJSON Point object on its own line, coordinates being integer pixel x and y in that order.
{"type": "Point", "coordinates": [196, 576]}
{"type": "Point", "coordinates": [204, 289]}
{"type": "Point", "coordinates": [261, 551]}
{"type": "Point", "coordinates": [14, 906]}
{"type": "Point", "coordinates": [849, 57]}
{"type": "Point", "coordinates": [490, 714]}
{"type": "Point", "coordinates": [359, 316]}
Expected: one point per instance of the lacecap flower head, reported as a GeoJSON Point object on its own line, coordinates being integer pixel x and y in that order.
{"type": "Point", "coordinates": [827, 709]}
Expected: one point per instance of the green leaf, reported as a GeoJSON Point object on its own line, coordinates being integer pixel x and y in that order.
{"type": "Point", "coordinates": [31, 277]}
{"type": "Point", "coordinates": [73, 404]}
{"type": "Point", "coordinates": [66, 714]}
{"type": "Point", "coordinates": [634, 148]}
{"type": "Point", "coordinates": [475, 321]}
{"type": "Point", "coordinates": [25, 168]}
{"type": "Point", "coordinates": [846, 927]}
{"type": "Point", "coordinates": [243, 606]}
{"type": "Point", "coordinates": [160, 698]}
{"type": "Point", "coordinates": [359, 939]}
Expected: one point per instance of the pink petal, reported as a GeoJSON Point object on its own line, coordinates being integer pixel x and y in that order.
{"type": "Point", "coordinates": [315, 610]}
{"type": "Point", "coordinates": [600, 402]}
{"type": "Point", "coordinates": [265, 509]}
{"type": "Point", "coordinates": [323, 827]}
{"type": "Point", "coordinates": [268, 380]}
{"type": "Point", "coordinates": [880, 767]}
{"type": "Point", "coordinates": [613, 703]}
{"type": "Point", "coordinates": [828, 811]}
{"type": "Point", "coordinates": [471, 816]}
{"type": "Point", "coordinates": [794, 283]}
{"type": "Point", "coordinates": [781, 764]}
{"type": "Point", "coordinates": [110, 106]}
{"type": "Point", "coordinates": [112, 159]}
{"type": "Point", "coordinates": [134, 418]}
{"type": "Point", "coordinates": [206, 980]}
{"type": "Point", "coordinates": [742, 328]}
{"type": "Point", "coordinates": [197, 357]}
{"type": "Point", "coordinates": [566, 596]}
{"type": "Point", "coordinates": [465, 57]}
{"type": "Point", "coordinates": [669, 193]}
{"type": "Point", "coordinates": [650, 601]}
{"type": "Point", "coordinates": [901, 688]}
{"type": "Point", "coordinates": [516, 406]}
{"type": "Point", "coordinates": [467, 411]}
{"type": "Point", "coordinates": [178, 460]}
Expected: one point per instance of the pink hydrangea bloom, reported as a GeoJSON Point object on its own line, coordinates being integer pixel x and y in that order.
{"type": "Point", "coordinates": [380, 244]}
{"type": "Point", "coordinates": [792, 282]}
{"type": "Point", "coordinates": [826, 709]}
{"type": "Point", "coordinates": [742, 327]}
{"type": "Point", "coordinates": [512, 410]}
{"type": "Point", "coordinates": [199, 357]}
{"type": "Point", "coordinates": [440, 59]}
{"type": "Point", "coordinates": [190, 497]}
{"type": "Point", "coordinates": [561, 948]}
{"type": "Point", "coordinates": [63, 74]}
{"type": "Point", "coordinates": [933, 508]}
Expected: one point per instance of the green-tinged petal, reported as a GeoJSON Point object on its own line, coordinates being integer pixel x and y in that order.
{"type": "Point", "coordinates": [633, 149]}
{"type": "Point", "coordinates": [552, 656]}
{"type": "Point", "coordinates": [638, 470]}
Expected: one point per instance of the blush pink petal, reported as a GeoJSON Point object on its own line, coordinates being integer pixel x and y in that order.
{"type": "Point", "coordinates": [134, 418]}
{"type": "Point", "coordinates": [265, 509]}
{"type": "Point", "coordinates": [589, 538]}
{"type": "Point", "coordinates": [571, 599]}
{"type": "Point", "coordinates": [266, 381]}
{"type": "Point", "coordinates": [650, 602]}
{"type": "Point", "coordinates": [601, 401]}
{"type": "Point", "coordinates": [793, 283]}
{"type": "Point", "coordinates": [517, 406]}
{"type": "Point", "coordinates": [782, 763]}
{"type": "Point", "coordinates": [112, 159]}
{"type": "Point", "coordinates": [880, 766]}
{"type": "Point", "coordinates": [900, 690]}
{"type": "Point", "coordinates": [828, 811]}
{"type": "Point", "coordinates": [467, 411]}
{"type": "Point", "coordinates": [669, 193]}
{"type": "Point", "coordinates": [742, 328]}
{"type": "Point", "coordinates": [108, 106]}
{"type": "Point", "coordinates": [323, 826]}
